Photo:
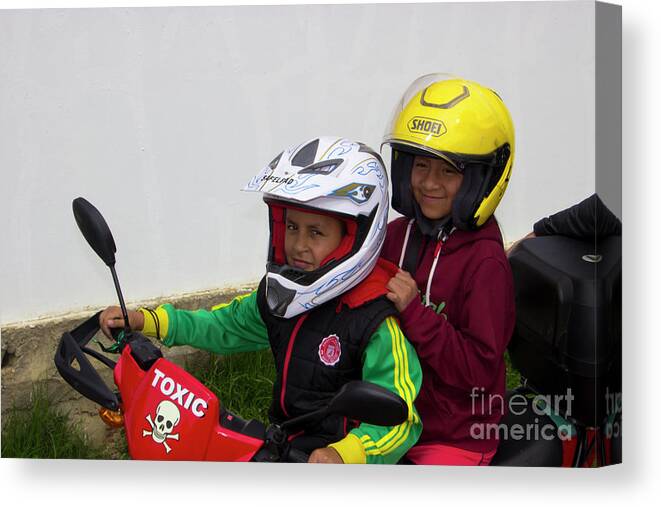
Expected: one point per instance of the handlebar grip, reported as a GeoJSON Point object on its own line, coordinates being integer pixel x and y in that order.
{"type": "Point", "coordinates": [297, 456]}
{"type": "Point", "coordinates": [115, 332]}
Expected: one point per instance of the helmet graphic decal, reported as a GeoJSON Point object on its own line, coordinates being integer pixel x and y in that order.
{"type": "Point", "coordinates": [447, 105]}
{"type": "Point", "coordinates": [342, 147]}
{"type": "Point", "coordinates": [272, 165]}
{"type": "Point", "coordinates": [371, 166]}
{"type": "Point", "coordinates": [299, 184]}
{"type": "Point", "coordinates": [358, 193]}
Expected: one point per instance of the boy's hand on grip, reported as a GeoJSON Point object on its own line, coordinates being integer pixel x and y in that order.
{"type": "Point", "coordinates": [112, 318]}
{"type": "Point", "coordinates": [325, 455]}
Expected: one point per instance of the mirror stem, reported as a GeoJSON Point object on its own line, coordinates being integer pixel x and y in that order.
{"type": "Point", "coordinates": [127, 328]}
{"type": "Point", "coordinates": [305, 418]}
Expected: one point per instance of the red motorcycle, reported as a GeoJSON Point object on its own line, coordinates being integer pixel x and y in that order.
{"type": "Point", "coordinates": [166, 412]}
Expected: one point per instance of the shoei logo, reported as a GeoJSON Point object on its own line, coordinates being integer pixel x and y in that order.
{"type": "Point", "coordinates": [427, 126]}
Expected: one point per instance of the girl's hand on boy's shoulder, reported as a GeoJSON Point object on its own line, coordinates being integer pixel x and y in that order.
{"type": "Point", "coordinates": [402, 289]}
{"type": "Point", "coordinates": [325, 455]}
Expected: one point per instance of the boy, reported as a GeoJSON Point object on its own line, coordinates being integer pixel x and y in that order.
{"type": "Point", "coordinates": [322, 306]}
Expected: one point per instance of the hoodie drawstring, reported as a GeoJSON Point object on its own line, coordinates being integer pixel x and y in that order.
{"type": "Point", "coordinates": [406, 241]}
{"type": "Point", "coordinates": [437, 253]}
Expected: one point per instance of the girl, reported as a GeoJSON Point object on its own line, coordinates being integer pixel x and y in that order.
{"type": "Point", "coordinates": [452, 145]}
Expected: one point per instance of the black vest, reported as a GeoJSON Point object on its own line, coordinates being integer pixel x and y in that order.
{"type": "Point", "coordinates": [318, 356]}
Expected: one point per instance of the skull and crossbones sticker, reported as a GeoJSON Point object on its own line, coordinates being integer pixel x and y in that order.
{"type": "Point", "coordinates": [166, 418]}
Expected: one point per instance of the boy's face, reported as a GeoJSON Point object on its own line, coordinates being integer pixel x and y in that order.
{"type": "Point", "coordinates": [309, 238]}
{"type": "Point", "coordinates": [435, 183]}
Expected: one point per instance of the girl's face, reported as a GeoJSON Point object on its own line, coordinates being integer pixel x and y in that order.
{"type": "Point", "coordinates": [309, 238]}
{"type": "Point", "coordinates": [435, 183]}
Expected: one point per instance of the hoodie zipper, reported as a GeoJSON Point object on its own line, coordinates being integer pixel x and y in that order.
{"type": "Point", "coordinates": [290, 346]}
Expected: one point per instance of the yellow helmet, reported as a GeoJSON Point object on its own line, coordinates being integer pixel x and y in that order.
{"type": "Point", "coordinates": [464, 123]}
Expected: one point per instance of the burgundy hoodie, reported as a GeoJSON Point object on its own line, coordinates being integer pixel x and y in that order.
{"type": "Point", "coordinates": [461, 339]}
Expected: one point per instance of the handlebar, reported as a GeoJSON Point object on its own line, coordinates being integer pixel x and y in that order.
{"type": "Point", "coordinates": [85, 379]}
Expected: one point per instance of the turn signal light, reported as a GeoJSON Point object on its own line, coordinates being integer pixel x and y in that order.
{"type": "Point", "coordinates": [113, 418]}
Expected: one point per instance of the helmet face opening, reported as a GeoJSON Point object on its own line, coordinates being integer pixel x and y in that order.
{"type": "Point", "coordinates": [481, 177]}
{"type": "Point", "coordinates": [278, 226]}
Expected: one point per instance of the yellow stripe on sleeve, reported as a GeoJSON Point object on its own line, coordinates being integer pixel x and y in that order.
{"type": "Point", "coordinates": [411, 391]}
{"type": "Point", "coordinates": [406, 390]}
{"type": "Point", "coordinates": [394, 437]}
{"type": "Point", "coordinates": [407, 377]}
{"type": "Point", "coordinates": [237, 298]}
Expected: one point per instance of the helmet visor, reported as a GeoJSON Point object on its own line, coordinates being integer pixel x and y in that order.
{"type": "Point", "coordinates": [424, 125]}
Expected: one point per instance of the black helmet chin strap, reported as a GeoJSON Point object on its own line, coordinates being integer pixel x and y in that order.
{"type": "Point", "coordinates": [435, 229]}
{"type": "Point", "coordinates": [439, 230]}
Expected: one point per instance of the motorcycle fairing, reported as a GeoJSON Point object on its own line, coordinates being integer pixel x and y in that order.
{"type": "Point", "coordinates": [170, 415]}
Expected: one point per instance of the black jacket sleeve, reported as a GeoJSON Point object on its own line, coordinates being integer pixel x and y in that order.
{"type": "Point", "coordinates": [585, 220]}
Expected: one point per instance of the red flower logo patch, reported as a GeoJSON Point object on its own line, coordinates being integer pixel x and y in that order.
{"type": "Point", "coordinates": [330, 350]}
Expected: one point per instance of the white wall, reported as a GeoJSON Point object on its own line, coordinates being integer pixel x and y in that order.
{"type": "Point", "coordinates": [160, 115]}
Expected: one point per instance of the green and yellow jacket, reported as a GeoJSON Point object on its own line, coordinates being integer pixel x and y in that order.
{"type": "Point", "coordinates": [350, 338]}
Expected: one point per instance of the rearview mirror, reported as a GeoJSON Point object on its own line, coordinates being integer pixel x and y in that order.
{"type": "Point", "coordinates": [369, 403]}
{"type": "Point", "coordinates": [95, 229]}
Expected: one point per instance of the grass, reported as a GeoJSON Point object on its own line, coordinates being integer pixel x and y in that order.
{"type": "Point", "coordinates": [512, 375]}
{"type": "Point", "coordinates": [43, 432]}
{"type": "Point", "coordinates": [243, 382]}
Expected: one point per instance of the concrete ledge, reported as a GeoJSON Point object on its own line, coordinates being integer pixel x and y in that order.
{"type": "Point", "coordinates": [28, 349]}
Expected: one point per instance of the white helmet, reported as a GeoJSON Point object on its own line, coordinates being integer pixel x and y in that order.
{"type": "Point", "coordinates": [331, 175]}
